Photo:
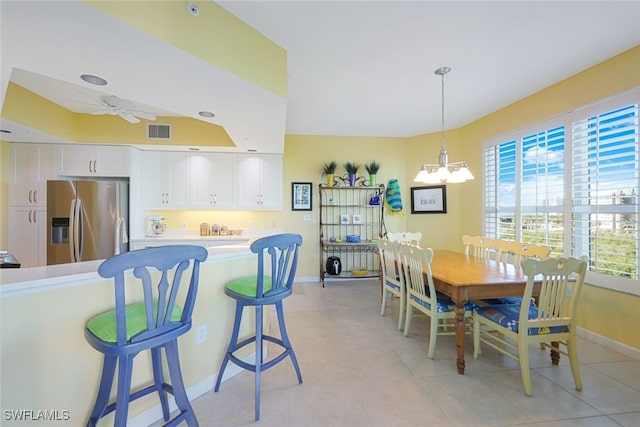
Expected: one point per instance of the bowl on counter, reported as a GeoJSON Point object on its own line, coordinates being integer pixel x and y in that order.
{"type": "Point", "coordinates": [352, 238]}
{"type": "Point", "coordinates": [359, 271]}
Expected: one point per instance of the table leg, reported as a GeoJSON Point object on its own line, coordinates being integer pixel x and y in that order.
{"type": "Point", "coordinates": [460, 334]}
{"type": "Point", "coordinates": [555, 354]}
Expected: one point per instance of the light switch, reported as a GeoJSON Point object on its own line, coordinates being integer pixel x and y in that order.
{"type": "Point", "coordinates": [307, 217]}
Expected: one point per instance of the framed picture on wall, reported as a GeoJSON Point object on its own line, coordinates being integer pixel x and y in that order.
{"type": "Point", "coordinates": [429, 200]}
{"type": "Point", "coordinates": [301, 196]}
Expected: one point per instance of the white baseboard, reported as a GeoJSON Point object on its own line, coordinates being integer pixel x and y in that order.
{"type": "Point", "coordinates": [621, 348]}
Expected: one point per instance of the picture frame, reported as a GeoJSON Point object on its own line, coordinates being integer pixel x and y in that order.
{"type": "Point", "coordinates": [429, 200]}
{"type": "Point", "coordinates": [356, 219]}
{"type": "Point", "coordinates": [344, 219]}
{"type": "Point", "coordinates": [301, 196]}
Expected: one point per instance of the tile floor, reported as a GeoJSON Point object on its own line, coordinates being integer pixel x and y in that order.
{"type": "Point", "coordinates": [359, 370]}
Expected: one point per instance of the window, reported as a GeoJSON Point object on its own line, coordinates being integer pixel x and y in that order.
{"type": "Point", "coordinates": [572, 183]}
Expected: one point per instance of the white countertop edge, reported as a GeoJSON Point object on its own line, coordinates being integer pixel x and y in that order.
{"type": "Point", "coordinates": [24, 281]}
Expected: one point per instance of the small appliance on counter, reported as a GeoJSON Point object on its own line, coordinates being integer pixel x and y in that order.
{"type": "Point", "coordinates": [8, 261]}
{"type": "Point", "coordinates": [156, 226]}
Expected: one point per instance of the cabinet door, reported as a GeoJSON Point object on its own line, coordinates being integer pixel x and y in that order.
{"type": "Point", "coordinates": [27, 235]}
{"type": "Point", "coordinates": [84, 160]}
{"type": "Point", "coordinates": [211, 180]}
{"type": "Point", "coordinates": [164, 180]}
{"type": "Point", "coordinates": [259, 180]}
{"type": "Point", "coordinates": [32, 165]}
{"type": "Point", "coordinates": [271, 188]}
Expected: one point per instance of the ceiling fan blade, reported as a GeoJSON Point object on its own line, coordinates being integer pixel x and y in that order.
{"type": "Point", "coordinates": [143, 115]}
{"type": "Point", "coordinates": [128, 117]}
{"type": "Point", "coordinates": [103, 112]}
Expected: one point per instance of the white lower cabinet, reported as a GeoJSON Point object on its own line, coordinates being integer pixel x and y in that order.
{"type": "Point", "coordinates": [28, 235]}
{"type": "Point", "coordinates": [164, 180]}
{"type": "Point", "coordinates": [259, 181]}
{"type": "Point", "coordinates": [212, 180]}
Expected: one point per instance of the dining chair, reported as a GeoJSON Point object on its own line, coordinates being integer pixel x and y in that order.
{"type": "Point", "coordinates": [412, 238]}
{"type": "Point", "coordinates": [481, 247]}
{"type": "Point", "coordinates": [421, 295]}
{"type": "Point", "coordinates": [276, 271]}
{"type": "Point", "coordinates": [151, 323]}
{"type": "Point", "coordinates": [392, 276]}
{"type": "Point", "coordinates": [552, 320]}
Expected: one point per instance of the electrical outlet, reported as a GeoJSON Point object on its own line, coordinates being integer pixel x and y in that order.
{"type": "Point", "coordinates": [201, 334]}
{"type": "Point", "coordinates": [307, 217]}
{"type": "Point", "coordinates": [184, 225]}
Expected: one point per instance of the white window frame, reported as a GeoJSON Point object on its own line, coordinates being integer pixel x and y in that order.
{"type": "Point", "coordinates": [631, 286]}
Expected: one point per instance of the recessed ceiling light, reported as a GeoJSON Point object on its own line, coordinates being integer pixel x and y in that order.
{"type": "Point", "coordinates": [5, 131]}
{"type": "Point", "coordinates": [194, 149]}
{"type": "Point", "coordinates": [252, 150]}
{"type": "Point", "coordinates": [206, 114]}
{"type": "Point", "coordinates": [94, 80]}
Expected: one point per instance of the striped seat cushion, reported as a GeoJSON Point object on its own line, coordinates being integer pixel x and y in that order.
{"type": "Point", "coordinates": [445, 304]}
{"type": "Point", "coordinates": [392, 285]}
{"type": "Point", "coordinates": [508, 316]}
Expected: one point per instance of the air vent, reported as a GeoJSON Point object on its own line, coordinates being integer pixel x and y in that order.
{"type": "Point", "coordinates": [158, 131]}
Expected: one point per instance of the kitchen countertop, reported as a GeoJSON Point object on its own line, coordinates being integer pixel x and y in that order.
{"type": "Point", "coordinates": [19, 281]}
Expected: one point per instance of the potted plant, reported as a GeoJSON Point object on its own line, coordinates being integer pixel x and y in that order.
{"type": "Point", "coordinates": [372, 169]}
{"type": "Point", "coordinates": [328, 170]}
{"type": "Point", "coordinates": [352, 171]}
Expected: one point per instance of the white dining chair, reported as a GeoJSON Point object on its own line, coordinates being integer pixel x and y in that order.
{"type": "Point", "coordinates": [422, 296]}
{"type": "Point", "coordinates": [510, 328]}
{"type": "Point", "coordinates": [412, 238]}
{"type": "Point", "coordinates": [393, 283]}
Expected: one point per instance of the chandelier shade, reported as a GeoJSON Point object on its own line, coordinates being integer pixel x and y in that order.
{"type": "Point", "coordinates": [443, 171]}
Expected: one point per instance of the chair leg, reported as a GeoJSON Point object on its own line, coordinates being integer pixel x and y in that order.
{"type": "Point", "coordinates": [525, 372]}
{"type": "Point", "coordinates": [177, 383]}
{"type": "Point", "coordinates": [259, 360]}
{"type": "Point", "coordinates": [407, 319]}
{"type": "Point", "coordinates": [158, 379]}
{"type": "Point", "coordinates": [125, 367]}
{"type": "Point", "coordinates": [403, 304]}
{"type": "Point", "coordinates": [476, 338]}
{"type": "Point", "coordinates": [233, 342]}
{"type": "Point", "coordinates": [104, 390]}
{"type": "Point", "coordinates": [433, 334]}
{"type": "Point", "coordinates": [285, 340]}
{"type": "Point", "coordinates": [572, 349]}
{"type": "Point", "coordinates": [384, 300]}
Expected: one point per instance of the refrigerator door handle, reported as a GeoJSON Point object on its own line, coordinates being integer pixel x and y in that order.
{"type": "Point", "coordinates": [79, 230]}
{"type": "Point", "coordinates": [72, 230]}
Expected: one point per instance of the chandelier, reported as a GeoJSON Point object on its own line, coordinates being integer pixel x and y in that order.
{"type": "Point", "coordinates": [443, 171]}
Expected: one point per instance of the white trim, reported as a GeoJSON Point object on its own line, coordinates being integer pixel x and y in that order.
{"type": "Point", "coordinates": [616, 346]}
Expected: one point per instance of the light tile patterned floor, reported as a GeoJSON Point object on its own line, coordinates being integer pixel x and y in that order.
{"type": "Point", "coordinates": [359, 370]}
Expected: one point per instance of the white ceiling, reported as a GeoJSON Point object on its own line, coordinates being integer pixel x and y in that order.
{"type": "Point", "coordinates": [362, 68]}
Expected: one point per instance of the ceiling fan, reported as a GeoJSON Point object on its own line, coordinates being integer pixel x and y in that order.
{"type": "Point", "coordinates": [115, 106]}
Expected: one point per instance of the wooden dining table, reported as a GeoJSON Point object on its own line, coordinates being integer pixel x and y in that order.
{"type": "Point", "coordinates": [465, 277]}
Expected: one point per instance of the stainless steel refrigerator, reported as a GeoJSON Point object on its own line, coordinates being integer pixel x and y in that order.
{"type": "Point", "coordinates": [86, 220]}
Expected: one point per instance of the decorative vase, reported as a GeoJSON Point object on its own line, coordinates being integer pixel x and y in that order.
{"type": "Point", "coordinates": [372, 180]}
{"type": "Point", "coordinates": [352, 179]}
{"type": "Point", "coordinates": [329, 180]}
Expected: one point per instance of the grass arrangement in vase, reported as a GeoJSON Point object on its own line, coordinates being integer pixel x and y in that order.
{"type": "Point", "coordinates": [328, 170]}
{"type": "Point", "coordinates": [352, 170]}
{"type": "Point", "coordinates": [372, 169]}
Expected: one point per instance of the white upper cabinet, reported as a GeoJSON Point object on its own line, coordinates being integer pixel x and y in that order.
{"type": "Point", "coordinates": [99, 161]}
{"type": "Point", "coordinates": [259, 181]}
{"type": "Point", "coordinates": [212, 180]}
{"type": "Point", "coordinates": [32, 165]}
{"type": "Point", "coordinates": [164, 180]}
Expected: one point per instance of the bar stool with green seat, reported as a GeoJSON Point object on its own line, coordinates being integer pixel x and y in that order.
{"type": "Point", "coordinates": [160, 315]}
{"type": "Point", "coordinates": [277, 263]}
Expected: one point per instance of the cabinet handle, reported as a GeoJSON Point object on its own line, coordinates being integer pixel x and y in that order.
{"type": "Point", "coordinates": [215, 199]}
{"type": "Point", "coordinates": [35, 196]}
{"type": "Point", "coordinates": [30, 220]}
{"type": "Point", "coordinates": [95, 166]}
{"type": "Point", "coordinates": [30, 193]}
{"type": "Point", "coordinates": [35, 217]}
{"type": "Point", "coordinates": [90, 166]}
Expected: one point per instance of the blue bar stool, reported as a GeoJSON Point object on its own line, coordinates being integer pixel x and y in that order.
{"type": "Point", "coordinates": [280, 254]}
{"type": "Point", "coordinates": [154, 323]}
